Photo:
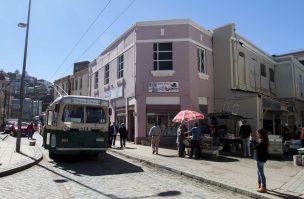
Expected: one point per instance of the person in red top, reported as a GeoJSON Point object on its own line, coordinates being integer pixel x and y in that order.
{"type": "Point", "coordinates": [30, 130]}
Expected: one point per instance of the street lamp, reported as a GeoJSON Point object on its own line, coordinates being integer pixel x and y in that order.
{"type": "Point", "coordinates": [22, 25]}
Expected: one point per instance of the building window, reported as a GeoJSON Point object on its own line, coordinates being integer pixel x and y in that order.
{"type": "Point", "coordinates": [96, 80]}
{"type": "Point", "coordinates": [76, 84]}
{"type": "Point", "coordinates": [80, 83]}
{"type": "Point", "coordinates": [201, 61]}
{"type": "Point", "coordinates": [106, 74]}
{"type": "Point", "coordinates": [162, 56]}
{"type": "Point", "coordinates": [62, 86]}
{"type": "Point", "coordinates": [120, 66]}
{"type": "Point", "coordinates": [241, 54]}
{"type": "Point", "coordinates": [263, 70]}
{"type": "Point", "coordinates": [271, 74]}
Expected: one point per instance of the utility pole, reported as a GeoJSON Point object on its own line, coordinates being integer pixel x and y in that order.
{"type": "Point", "coordinates": [27, 25]}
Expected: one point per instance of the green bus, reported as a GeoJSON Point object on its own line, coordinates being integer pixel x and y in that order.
{"type": "Point", "coordinates": [76, 124]}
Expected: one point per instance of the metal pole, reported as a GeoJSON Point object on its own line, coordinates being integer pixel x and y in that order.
{"type": "Point", "coordinates": [18, 141]}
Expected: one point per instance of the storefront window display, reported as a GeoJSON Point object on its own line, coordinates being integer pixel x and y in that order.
{"type": "Point", "coordinates": [168, 128]}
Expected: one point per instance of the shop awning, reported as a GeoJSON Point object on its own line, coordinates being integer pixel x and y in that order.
{"type": "Point", "coordinates": [226, 115]}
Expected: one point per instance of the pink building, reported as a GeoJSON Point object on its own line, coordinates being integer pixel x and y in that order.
{"type": "Point", "coordinates": [154, 70]}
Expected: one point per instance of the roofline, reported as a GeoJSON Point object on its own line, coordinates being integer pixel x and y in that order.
{"type": "Point", "coordinates": [289, 53]}
{"type": "Point", "coordinates": [117, 39]}
{"type": "Point", "coordinates": [158, 23]}
{"type": "Point", "coordinates": [174, 22]}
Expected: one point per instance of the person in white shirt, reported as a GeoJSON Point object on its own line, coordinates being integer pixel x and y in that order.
{"type": "Point", "coordinates": [154, 133]}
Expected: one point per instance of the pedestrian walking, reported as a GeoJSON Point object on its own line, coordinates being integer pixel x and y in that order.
{"type": "Point", "coordinates": [110, 136]}
{"type": "Point", "coordinates": [261, 156]}
{"type": "Point", "coordinates": [181, 135]}
{"type": "Point", "coordinates": [123, 135]}
{"type": "Point", "coordinates": [114, 131]}
{"type": "Point", "coordinates": [245, 132]}
{"type": "Point", "coordinates": [195, 139]}
{"type": "Point", "coordinates": [154, 134]}
{"type": "Point", "coordinates": [30, 130]}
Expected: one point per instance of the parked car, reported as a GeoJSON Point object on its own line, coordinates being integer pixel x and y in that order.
{"type": "Point", "coordinates": [24, 130]}
{"type": "Point", "coordinates": [8, 125]}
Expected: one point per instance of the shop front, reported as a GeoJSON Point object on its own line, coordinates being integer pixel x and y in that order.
{"type": "Point", "coordinates": [163, 115]}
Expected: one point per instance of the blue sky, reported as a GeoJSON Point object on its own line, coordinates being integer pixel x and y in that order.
{"type": "Point", "coordinates": [275, 26]}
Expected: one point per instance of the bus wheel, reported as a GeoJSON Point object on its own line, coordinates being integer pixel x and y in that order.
{"type": "Point", "coordinates": [52, 155]}
{"type": "Point", "coordinates": [95, 155]}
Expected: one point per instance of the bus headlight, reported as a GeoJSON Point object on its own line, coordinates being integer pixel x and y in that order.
{"type": "Point", "coordinates": [64, 140]}
{"type": "Point", "coordinates": [53, 140]}
{"type": "Point", "coordinates": [65, 128]}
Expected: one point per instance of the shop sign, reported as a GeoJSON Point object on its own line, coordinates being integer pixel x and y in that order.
{"type": "Point", "coordinates": [113, 93]}
{"type": "Point", "coordinates": [163, 87]}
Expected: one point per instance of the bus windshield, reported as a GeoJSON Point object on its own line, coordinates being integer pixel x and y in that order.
{"type": "Point", "coordinates": [76, 113]}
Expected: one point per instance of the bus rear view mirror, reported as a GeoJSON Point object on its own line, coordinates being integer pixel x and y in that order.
{"type": "Point", "coordinates": [110, 111]}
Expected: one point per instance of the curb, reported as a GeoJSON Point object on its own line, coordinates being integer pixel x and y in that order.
{"type": "Point", "coordinates": [202, 179]}
{"type": "Point", "coordinates": [4, 136]}
{"type": "Point", "coordinates": [23, 165]}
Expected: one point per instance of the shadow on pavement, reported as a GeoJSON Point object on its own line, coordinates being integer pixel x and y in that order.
{"type": "Point", "coordinates": [161, 194]}
{"type": "Point", "coordinates": [168, 156]}
{"type": "Point", "coordinates": [106, 164]}
{"type": "Point", "coordinates": [222, 159]}
{"type": "Point", "coordinates": [282, 195]}
{"type": "Point", "coordinates": [66, 179]}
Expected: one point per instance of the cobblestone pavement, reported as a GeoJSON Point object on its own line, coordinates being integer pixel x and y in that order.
{"type": "Point", "coordinates": [109, 176]}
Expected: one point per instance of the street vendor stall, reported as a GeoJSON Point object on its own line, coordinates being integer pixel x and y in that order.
{"type": "Point", "coordinates": [228, 124]}
{"type": "Point", "coordinates": [206, 145]}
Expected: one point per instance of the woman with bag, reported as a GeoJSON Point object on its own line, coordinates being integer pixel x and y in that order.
{"type": "Point", "coordinates": [261, 156]}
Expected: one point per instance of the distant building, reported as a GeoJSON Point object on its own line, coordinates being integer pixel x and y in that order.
{"type": "Point", "coordinates": [81, 79]}
{"type": "Point", "coordinates": [290, 85]}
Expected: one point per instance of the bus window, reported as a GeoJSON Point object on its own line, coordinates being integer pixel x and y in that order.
{"type": "Point", "coordinates": [73, 113]}
{"type": "Point", "coordinates": [96, 115]}
{"type": "Point", "coordinates": [49, 118]}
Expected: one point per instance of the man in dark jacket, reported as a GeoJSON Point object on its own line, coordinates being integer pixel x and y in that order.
{"type": "Point", "coordinates": [123, 135]}
{"type": "Point", "coordinates": [114, 131]}
{"type": "Point", "coordinates": [245, 132]}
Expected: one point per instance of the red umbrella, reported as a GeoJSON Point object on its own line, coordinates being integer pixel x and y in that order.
{"type": "Point", "coordinates": [187, 115]}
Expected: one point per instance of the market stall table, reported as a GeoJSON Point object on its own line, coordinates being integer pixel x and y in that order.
{"type": "Point", "coordinates": [231, 143]}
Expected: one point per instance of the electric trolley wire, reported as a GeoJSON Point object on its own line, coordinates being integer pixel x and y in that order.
{"type": "Point", "coordinates": [125, 10]}
{"type": "Point", "coordinates": [80, 39]}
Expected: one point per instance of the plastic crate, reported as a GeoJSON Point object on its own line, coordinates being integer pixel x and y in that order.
{"type": "Point", "coordinates": [301, 151]}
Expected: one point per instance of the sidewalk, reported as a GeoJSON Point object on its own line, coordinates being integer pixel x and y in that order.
{"type": "Point", "coordinates": [12, 162]}
{"type": "Point", "coordinates": [237, 174]}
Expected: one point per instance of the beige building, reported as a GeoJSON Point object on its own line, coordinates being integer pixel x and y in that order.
{"type": "Point", "coordinates": [290, 85]}
{"type": "Point", "coordinates": [245, 80]}
{"type": "Point", "coordinates": [76, 84]}
{"type": "Point", "coordinates": [80, 83]}
{"type": "Point", "coordinates": [62, 86]}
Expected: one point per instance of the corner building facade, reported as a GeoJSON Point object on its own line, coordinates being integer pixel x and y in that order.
{"type": "Point", "coordinates": [154, 70]}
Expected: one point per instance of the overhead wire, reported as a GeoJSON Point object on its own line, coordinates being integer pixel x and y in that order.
{"type": "Point", "coordinates": [80, 39]}
{"type": "Point", "coordinates": [126, 8]}
{"type": "Point", "coordinates": [106, 29]}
